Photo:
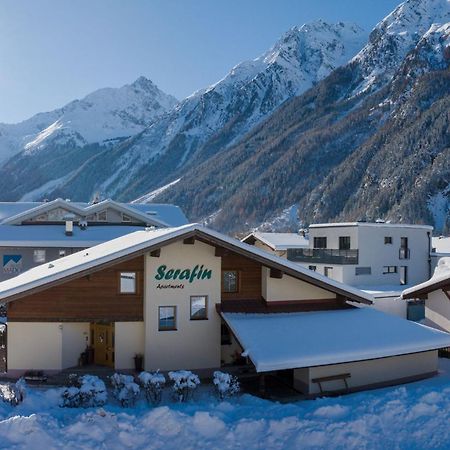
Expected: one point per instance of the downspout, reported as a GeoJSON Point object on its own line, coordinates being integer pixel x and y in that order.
{"type": "Point", "coordinates": [429, 254]}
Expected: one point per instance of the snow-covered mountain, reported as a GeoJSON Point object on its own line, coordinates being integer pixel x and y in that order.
{"type": "Point", "coordinates": [210, 120]}
{"type": "Point", "coordinates": [371, 140]}
{"type": "Point", "coordinates": [102, 116]}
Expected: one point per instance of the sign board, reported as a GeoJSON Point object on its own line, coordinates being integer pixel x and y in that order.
{"type": "Point", "coordinates": [12, 263]}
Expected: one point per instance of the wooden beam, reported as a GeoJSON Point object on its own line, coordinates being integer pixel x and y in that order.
{"type": "Point", "coordinates": [189, 241]}
{"type": "Point", "coordinates": [155, 253]}
{"type": "Point", "coordinates": [447, 293]}
{"type": "Point", "coordinates": [276, 273]}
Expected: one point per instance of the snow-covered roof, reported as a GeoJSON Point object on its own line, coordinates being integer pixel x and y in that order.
{"type": "Point", "coordinates": [383, 290]}
{"type": "Point", "coordinates": [54, 235]}
{"type": "Point", "coordinates": [152, 213]}
{"type": "Point", "coordinates": [441, 244]}
{"type": "Point", "coordinates": [440, 279]}
{"type": "Point", "coordinates": [279, 241]}
{"type": "Point", "coordinates": [307, 339]}
{"type": "Point", "coordinates": [145, 240]}
{"type": "Point", "coordinates": [370, 224]}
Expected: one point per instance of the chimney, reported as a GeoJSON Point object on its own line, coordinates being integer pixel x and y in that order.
{"type": "Point", "coordinates": [69, 228]}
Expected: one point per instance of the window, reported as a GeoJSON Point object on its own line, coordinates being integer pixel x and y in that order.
{"type": "Point", "coordinates": [404, 242]}
{"type": "Point", "coordinates": [403, 275]}
{"type": "Point", "coordinates": [363, 270]}
{"type": "Point", "coordinates": [62, 253]}
{"type": "Point", "coordinates": [344, 242]}
{"type": "Point", "coordinates": [167, 316]}
{"type": "Point", "coordinates": [389, 269]}
{"type": "Point", "coordinates": [230, 281]}
{"type": "Point", "coordinates": [102, 216]}
{"type": "Point", "coordinates": [328, 271]}
{"type": "Point", "coordinates": [128, 282]}
{"type": "Point", "coordinates": [320, 242]}
{"type": "Point", "coordinates": [39, 256]}
{"type": "Point", "coordinates": [387, 240]}
{"type": "Point", "coordinates": [126, 218]}
{"type": "Point", "coordinates": [313, 268]}
{"type": "Point", "coordinates": [199, 307]}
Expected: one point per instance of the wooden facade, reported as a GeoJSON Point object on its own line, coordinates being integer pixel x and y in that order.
{"type": "Point", "coordinates": [249, 274]}
{"type": "Point", "coordinates": [94, 297]}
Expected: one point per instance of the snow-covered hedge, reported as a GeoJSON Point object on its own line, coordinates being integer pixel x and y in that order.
{"type": "Point", "coordinates": [184, 384]}
{"type": "Point", "coordinates": [226, 385]}
{"type": "Point", "coordinates": [13, 393]}
{"type": "Point", "coordinates": [152, 384]}
{"type": "Point", "coordinates": [84, 391]}
{"type": "Point", "coordinates": [125, 390]}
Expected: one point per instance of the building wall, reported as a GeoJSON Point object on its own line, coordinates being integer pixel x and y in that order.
{"type": "Point", "coordinates": [365, 373]}
{"type": "Point", "coordinates": [332, 234]}
{"type": "Point", "coordinates": [27, 258]}
{"type": "Point", "coordinates": [75, 338]}
{"type": "Point", "coordinates": [437, 309]}
{"type": "Point", "coordinates": [195, 344]}
{"type": "Point", "coordinates": [289, 288]}
{"type": "Point", "coordinates": [94, 297]}
{"type": "Point", "coordinates": [34, 346]}
{"type": "Point", "coordinates": [129, 341]}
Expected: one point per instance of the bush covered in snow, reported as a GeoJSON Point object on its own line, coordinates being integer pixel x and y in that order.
{"type": "Point", "coordinates": [125, 390]}
{"type": "Point", "coordinates": [13, 393]}
{"type": "Point", "coordinates": [153, 384]}
{"type": "Point", "coordinates": [184, 384]}
{"type": "Point", "coordinates": [226, 385]}
{"type": "Point", "coordinates": [84, 391]}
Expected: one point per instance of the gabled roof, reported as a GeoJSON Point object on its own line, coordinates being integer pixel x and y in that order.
{"type": "Point", "coordinates": [439, 280]}
{"type": "Point", "coordinates": [308, 339]}
{"type": "Point", "coordinates": [278, 241]}
{"type": "Point", "coordinates": [140, 242]}
{"type": "Point", "coordinates": [151, 214]}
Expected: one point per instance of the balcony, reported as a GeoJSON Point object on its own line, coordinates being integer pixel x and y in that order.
{"type": "Point", "coordinates": [322, 256]}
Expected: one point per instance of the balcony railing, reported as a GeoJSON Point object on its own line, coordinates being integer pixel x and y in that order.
{"type": "Point", "coordinates": [323, 256]}
{"type": "Point", "coordinates": [403, 253]}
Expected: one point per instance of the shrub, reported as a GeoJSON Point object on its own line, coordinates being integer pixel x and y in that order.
{"type": "Point", "coordinates": [125, 390]}
{"type": "Point", "coordinates": [153, 384]}
{"type": "Point", "coordinates": [226, 385]}
{"type": "Point", "coordinates": [184, 384]}
{"type": "Point", "coordinates": [13, 393]}
{"type": "Point", "coordinates": [85, 391]}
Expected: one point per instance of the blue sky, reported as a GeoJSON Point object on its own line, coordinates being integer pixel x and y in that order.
{"type": "Point", "coordinates": [53, 51]}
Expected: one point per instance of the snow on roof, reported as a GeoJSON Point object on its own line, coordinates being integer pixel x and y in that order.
{"type": "Point", "coordinates": [307, 339]}
{"type": "Point", "coordinates": [440, 277]}
{"type": "Point", "coordinates": [441, 244]}
{"type": "Point", "coordinates": [55, 236]}
{"type": "Point", "coordinates": [142, 240]}
{"type": "Point", "coordinates": [280, 241]}
{"type": "Point", "coordinates": [370, 224]}
{"type": "Point", "coordinates": [383, 290]}
{"type": "Point", "coordinates": [160, 214]}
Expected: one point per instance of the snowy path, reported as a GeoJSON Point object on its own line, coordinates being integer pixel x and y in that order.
{"type": "Point", "coordinates": [414, 416]}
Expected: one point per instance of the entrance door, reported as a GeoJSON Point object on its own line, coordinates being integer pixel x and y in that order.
{"type": "Point", "coordinates": [103, 343]}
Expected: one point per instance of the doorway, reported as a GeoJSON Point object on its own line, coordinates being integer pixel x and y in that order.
{"type": "Point", "coordinates": [103, 341]}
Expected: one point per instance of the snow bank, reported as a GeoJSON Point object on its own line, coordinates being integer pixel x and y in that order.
{"type": "Point", "coordinates": [413, 416]}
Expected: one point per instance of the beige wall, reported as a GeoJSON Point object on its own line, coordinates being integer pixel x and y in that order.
{"type": "Point", "coordinates": [369, 372]}
{"type": "Point", "coordinates": [289, 288]}
{"type": "Point", "coordinates": [34, 345]}
{"type": "Point", "coordinates": [73, 342]}
{"type": "Point", "coordinates": [129, 340]}
{"type": "Point", "coordinates": [437, 309]}
{"type": "Point", "coordinates": [196, 343]}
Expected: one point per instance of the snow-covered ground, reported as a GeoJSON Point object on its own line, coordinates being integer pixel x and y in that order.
{"type": "Point", "coordinates": [413, 416]}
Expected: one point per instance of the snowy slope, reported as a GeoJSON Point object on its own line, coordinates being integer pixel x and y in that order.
{"type": "Point", "coordinates": [103, 115]}
{"type": "Point", "coordinates": [232, 106]}
{"type": "Point", "coordinates": [395, 36]}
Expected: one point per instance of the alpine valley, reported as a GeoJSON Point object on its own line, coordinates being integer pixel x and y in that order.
{"type": "Point", "coordinates": [329, 124]}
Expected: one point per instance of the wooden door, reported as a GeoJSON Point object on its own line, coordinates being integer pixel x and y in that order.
{"type": "Point", "coordinates": [103, 342]}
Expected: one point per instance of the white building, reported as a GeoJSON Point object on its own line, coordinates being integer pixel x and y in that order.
{"type": "Point", "coordinates": [380, 258]}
